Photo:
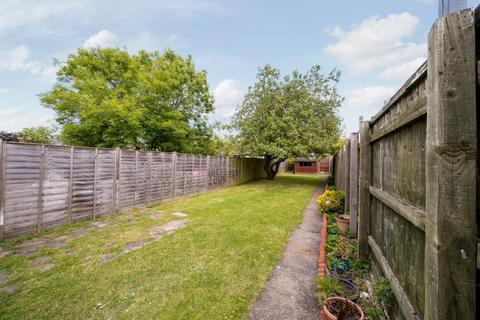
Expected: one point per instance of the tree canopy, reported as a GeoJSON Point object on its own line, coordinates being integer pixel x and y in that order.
{"type": "Point", "coordinates": [289, 117]}
{"type": "Point", "coordinates": [37, 135]}
{"type": "Point", "coordinates": [110, 98]}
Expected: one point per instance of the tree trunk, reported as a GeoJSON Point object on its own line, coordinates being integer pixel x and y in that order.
{"type": "Point", "coordinates": [271, 167]}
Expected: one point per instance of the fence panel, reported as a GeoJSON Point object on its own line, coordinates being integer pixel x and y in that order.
{"type": "Point", "coordinates": [46, 186]}
{"type": "Point", "coordinates": [417, 180]}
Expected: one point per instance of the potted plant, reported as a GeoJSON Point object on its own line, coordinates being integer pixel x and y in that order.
{"type": "Point", "coordinates": [343, 222]}
{"type": "Point", "coordinates": [341, 308]}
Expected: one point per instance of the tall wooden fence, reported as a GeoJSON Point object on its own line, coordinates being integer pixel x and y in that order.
{"type": "Point", "coordinates": [345, 173]}
{"type": "Point", "coordinates": [43, 186]}
{"type": "Point", "coordinates": [417, 180]}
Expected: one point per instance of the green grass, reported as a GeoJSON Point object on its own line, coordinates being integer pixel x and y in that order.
{"type": "Point", "coordinates": [213, 269]}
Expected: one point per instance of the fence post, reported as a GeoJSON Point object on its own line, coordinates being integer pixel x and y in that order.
{"type": "Point", "coordinates": [136, 182]}
{"type": "Point", "coordinates": [206, 173]}
{"type": "Point", "coordinates": [40, 189]}
{"type": "Point", "coordinates": [116, 177]}
{"type": "Point", "coordinates": [70, 187]}
{"type": "Point", "coordinates": [174, 160]}
{"type": "Point", "coordinates": [450, 229]}
{"type": "Point", "coordinates": [353, 183]}
{"type": "Point", "coordinates": [95, 159]}
{"type": "Point", "coordinates": [346, 179]}
{"type": "Point", "coordinates": [3, 160]}
{"type": "Point", "coordinates": [184, 174]}
{"type": "Point", "coordinates": [149, 191]}
{"type": "Point", "coordinates": [363, 191]}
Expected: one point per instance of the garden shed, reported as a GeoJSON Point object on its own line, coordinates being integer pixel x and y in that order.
{"type": "Point", "coordinates": [307, 166]}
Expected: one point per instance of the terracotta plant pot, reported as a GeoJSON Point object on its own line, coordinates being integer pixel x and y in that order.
{"type": "Point", "coordinates": [327, 315]}
{"type": "Point", "coordinates": [343, 223]}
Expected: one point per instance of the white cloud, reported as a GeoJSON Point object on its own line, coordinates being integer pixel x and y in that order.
{"type": "Point", "coordinates": [17, 60]}
{"type": "Point", "coordinates": [373, 97]}
{"type": "Point", "coordinates": [16, 118]}
{"type": "Point", "coordinates": [52, 15]}
{"type": "Point", "coordinates": [172, 37]}
{"type": "Point", "coordinates": [102, 38]}
{"type": "Point", "coordinates": [376, 43]}
{"type": "Point", "coordinates": [402, 71]}
{"type": "Point", "coordinates": [228, 94]}
{"type": "Point", "coordinates": [143, 40]}
{"type": "Point", "coordinates": [19, 13]}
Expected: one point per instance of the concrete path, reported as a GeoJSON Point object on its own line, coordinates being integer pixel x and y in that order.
{"type": "Point", "coordinates": [290, 292]}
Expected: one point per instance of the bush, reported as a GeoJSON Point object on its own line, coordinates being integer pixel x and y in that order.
{"type": "Point", "coordinates": [330, 181]}
{"type": "Point", "coordinates": [331, 201]}
{"type": "Point", "coordinates": [328, 287]}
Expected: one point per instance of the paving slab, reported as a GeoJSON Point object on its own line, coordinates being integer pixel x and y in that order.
{"type": "Point", "coordinates": [291, 291]}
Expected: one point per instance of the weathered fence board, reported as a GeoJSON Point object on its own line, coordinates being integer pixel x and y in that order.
{"type": "Point", "coordinates": [418, 176]}
{"type": "Point", "coordinates": [451, 169]}
{"type": "Point", "coordinates": [46, 186]}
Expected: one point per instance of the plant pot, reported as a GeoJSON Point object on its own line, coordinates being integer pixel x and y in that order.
{"type": "Point", "coordinates": [327, 314]}
{"type": "Point", "coordinates": [352, 293]}
{"type": "Point", "coordinates": [343, 223]}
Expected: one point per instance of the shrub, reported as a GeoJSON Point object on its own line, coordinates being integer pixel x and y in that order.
{"type": "Point", "coordinates": [330, 181]}
{"type": "Point", "coordinates": [328, 287]}
{"type": "Point", "coordinates": [331, 201]}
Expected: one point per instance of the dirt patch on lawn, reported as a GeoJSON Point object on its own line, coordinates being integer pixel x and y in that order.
{"type": "Point", "coordinates": [180, 214]}
{"type": "Point", "coordinates": [156, 234]}
{"type": "Point", "coordinates": [168, 227]}
{"type": "Point", "coordinates": [3, 283]}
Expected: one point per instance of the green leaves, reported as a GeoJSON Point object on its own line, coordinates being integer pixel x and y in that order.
{"type": "Point", "coordinates": [37, 135]}
{"type": "Point", "coordinates": [109, 98]}
{"type": "Point", "coordinates": [289, 117]}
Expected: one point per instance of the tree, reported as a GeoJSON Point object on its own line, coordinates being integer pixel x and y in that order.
{"type": "Point", "coordinates": [8, 136]}
{"type": "Point", "coordinates": [289, 117]}
{"type": "Point", "coordinates": [37, 135]}
{"type": "Point", "coordinates": [109, 98]}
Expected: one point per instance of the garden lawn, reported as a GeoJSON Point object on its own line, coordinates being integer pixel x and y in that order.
{"type": "Point", "coordinates": [211, 269]}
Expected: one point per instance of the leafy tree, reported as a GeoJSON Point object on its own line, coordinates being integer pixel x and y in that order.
{"type": "Point", "coordinates": [109, 98]}
{"type": "Point", "coordinates": [289, 117]}
{"type": "Point", "coordinates": [8, 136]}
{"type": "Point", "coordinates": [37, 135]}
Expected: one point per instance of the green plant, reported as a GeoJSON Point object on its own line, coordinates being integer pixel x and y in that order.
{"type": "Point", "coordinates": [331, 201]}
{"type": "Point", "coordinates": [328, 287]}
{"type": "Point", "coordinates": [360, 269]}
{"type": "Point", "coordinates": [382, 291]}
{"type": "Point", "coordinates": [330, 182]}
{"type": "Point", "coordinates": [307, 102]}
{"type": "Point", "coordinates": [37, 135]}
{"type": "Point", "coordinates": [371, 311]}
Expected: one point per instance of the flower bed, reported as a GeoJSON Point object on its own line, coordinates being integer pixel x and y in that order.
{"type": "Point", "coordinates": [341, 274]}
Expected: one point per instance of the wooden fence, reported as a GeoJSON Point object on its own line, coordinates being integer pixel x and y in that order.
{"type": "Point", "coordinates": [345, 172]}
{"type": "Point", "coordinates": [43, 186]}
{"type": "Point", "coordinates": [417, 180]}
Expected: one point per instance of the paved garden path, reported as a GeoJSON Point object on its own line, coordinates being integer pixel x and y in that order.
{"type": "Point", "coordinates": [290, 292]}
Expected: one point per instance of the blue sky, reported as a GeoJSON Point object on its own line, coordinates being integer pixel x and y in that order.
{"type": "Point", "coordinates": [376, 44]}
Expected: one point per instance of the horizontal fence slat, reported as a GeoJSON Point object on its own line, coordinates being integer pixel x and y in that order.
{"type": "Point", "coordinates": [405, 119]}
{"type": "Point", "coordinates": [414, 215]}
{"type": "Point", "coordinates": [62, 184]}
{"type": "Point", "coordinates": [406, 306]}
